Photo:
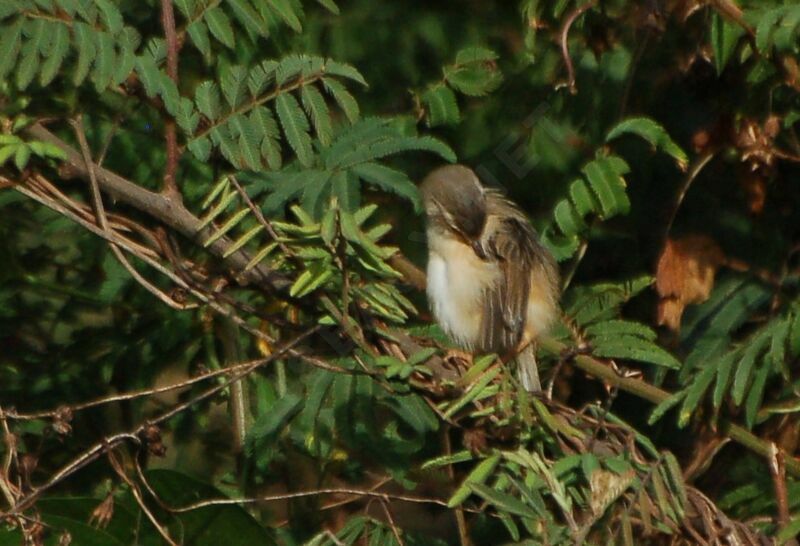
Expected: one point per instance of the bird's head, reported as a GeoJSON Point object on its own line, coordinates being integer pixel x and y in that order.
{"type": "Point", "coordinates": [455, 203]}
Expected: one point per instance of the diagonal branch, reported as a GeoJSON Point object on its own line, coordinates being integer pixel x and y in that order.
{"type": "Point", "coordinates": [641, 389]}
{"type": "Point", "coordinates": [166, 210]}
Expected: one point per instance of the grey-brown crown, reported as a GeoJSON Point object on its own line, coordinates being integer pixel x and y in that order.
{"type": "Point", "coordinates": [454, 197]}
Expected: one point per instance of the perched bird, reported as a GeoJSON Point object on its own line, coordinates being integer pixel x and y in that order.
{"type": "Point", "coordinates": [492, 286]}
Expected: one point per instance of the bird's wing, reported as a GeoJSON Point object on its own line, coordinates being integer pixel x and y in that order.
{"type": "Point", "coordinates": [511, 242]}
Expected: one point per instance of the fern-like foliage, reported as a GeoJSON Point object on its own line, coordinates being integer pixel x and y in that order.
{"type": "Point", "coordinates": [602, 190]}
{"type": "Point", "coordinates": [354, 158]}
{"type": "Point", "coordinates": [319, 252]}
{"type": "Point", "coordinates": [473, 73]}
{"type": "Point", "coordinates": [595, 312]}
{"type": "Point", "coordinates": [37, 38]}
{"type": "Point", "coordinates": [249, 112]}
{"type": "Point", "coordinates": [724, 370]}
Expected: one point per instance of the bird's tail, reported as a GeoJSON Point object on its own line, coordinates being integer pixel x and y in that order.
{"type": "Point", "coordinates": [527, 371]}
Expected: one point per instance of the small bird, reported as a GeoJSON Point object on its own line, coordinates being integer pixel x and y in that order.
{"type": "Point", "coordinates": [492, 286]}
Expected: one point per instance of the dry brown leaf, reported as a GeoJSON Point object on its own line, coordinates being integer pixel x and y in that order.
{"type": "Point", "coordinates": [754, 185]}
{"type": "Point", "coordinates": [685, 275]}
{"type": "Point", "coordinates": [606, 487]}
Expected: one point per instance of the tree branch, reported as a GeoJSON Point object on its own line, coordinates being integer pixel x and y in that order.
{"type": "Point", "coordinates": [170, 129]}
{"type": "Point", "coordinates": [166, 210]}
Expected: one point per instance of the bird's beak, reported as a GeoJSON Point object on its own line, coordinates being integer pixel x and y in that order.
{"type": "Point", "coordinates": [477, 247]}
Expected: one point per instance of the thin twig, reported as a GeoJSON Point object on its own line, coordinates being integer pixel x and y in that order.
{"type": "Point", "coordinates": [461, 520]}
{"type": "Point", "coordinates": [313, 493]}
{"type": "Point", "coordinates": [395, 531]}
{"type": "Point", "coordinates": [108, 443]}
{"type": "Point", "coordinates": [97, 199]}
{"type": "Point", "coordinates": [137, 495]}
{"type": "Point", "coordinates": [696, 168]}
{"type": "Point", "coordinates": [142, 393]}
{"type": "Point", "coordinates": [9, 490]}
{"type": "Point", "coordinates": [777, 469]}
{"type": "Point", "coordinates": [167, 211]}
{"type": "Point", "coordinates": [564, 36]}
{"type": "Point", "coordinates": [260, 217]}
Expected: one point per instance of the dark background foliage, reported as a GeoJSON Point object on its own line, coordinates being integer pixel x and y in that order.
{"type": "Point", "coordinates": [653, 144]}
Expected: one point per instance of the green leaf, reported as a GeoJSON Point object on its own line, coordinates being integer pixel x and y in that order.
{"type": "Point", "coordinates": [391, 180]}
{"type": "Point", "coordinates": [207, 98]}
{"type": "Point", "coordinates": [473, 80]}
{"type": "Point", "coordinates": [582, 198]}
{"type": "Point", "coordinates": [248, 17]}
{"type": "Point", "coordinates": [10, 40]}
{"type": "Point", "coordinates": [126, 60]}
{"type": "Point", "coordinates": [104, 62]}
{"type": "Point", "coordinates": [608, 186]}
{"type": "Point", "coordinates": [220, 26]}
{"type": "Point", "coordinates": [441, 106]}
{"type": "Point", "coordinates": [475, 55]}
{"type": "Point", "coordinates": [21, 156]}
{"type": "Point", "coordinates": [343, 98]}
{"type": "Point", "coordinates": [745, 367]}
{"type": "Point", "coordinates": [200, 147]}
{"type": "Point", "coordinates": [111, 15]}
{"type": "Point", "coordinates": [766, 27]}
{"type": "Point", "coordinates": [262, 118]}
{"type": "Point", "coordinates": [502, 501]}
{"type": "Point", "coordinates": [268, 425]}
{"type": "Point", "coordinates": [633, 348]}
{"type": "Point", "coordinates": [335, 68]}
{"type": "Point", "coordinates": [446, 460]}
{"type": "Point", "coordinates": [231, 223]}
{"type": "Point", "coordinates": [330, 6]}
{"type": "Point", "coordinates": [621, 327]}
{"type": "Point", "coordinates": [695, 392]}
{"type": "Point", "coordinates": [198, 32]}
{"type": "Point", "coordinates": [249, 140]}
{"type": "Point", "coordinates": [37, 31]}
{"type": "Point", "coordinates": [317, 110]}
{"type": "Point", "coordinates": [295, 127]}
{"type": "Point", "coordinates": [724, 369]}
{"type": "Point", "coordinates": [59, 45]}
{"type": "Point", "coordinates": [311, 279]}
{"type": "Point", "coordinates": [753, 402]}
{"type": "Point", "coordinates": [664, 406]}
{"type": "Point", "coordinates": [285, 11]}
{"type": "Point", "coordinates": [84, 37]}
{"type": "Point", "coordinates": [478, 476]}
{"type": "Point", "coordinates": [652, 132]}
{"type": "Point", "coordinates": [233, 82]}
{"type": "Point", "coordinates": [567, 219]}
{"type": "Point", "coordinates": [392, 146]}
{"type": "Point", "coordinates": [724, 37]}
